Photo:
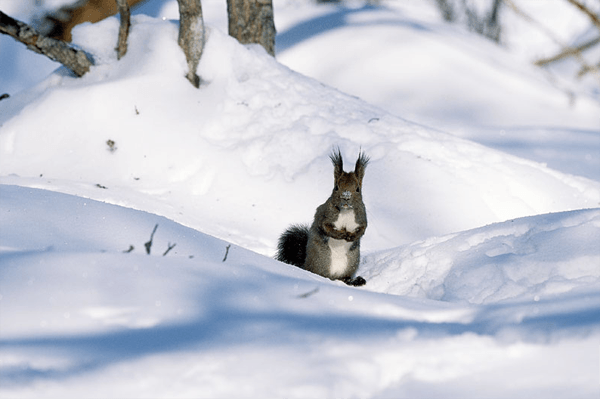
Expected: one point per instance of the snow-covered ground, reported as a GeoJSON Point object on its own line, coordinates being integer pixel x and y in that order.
{"type": "Point", "coordinates": [483, 268]}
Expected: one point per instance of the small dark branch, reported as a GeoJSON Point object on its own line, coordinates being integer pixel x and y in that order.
{"type": "Point", "coordinates": [4, 96]}
{"type": "Point", "coordinates": [169, 248]}
{"type": "Point", "coordinates": [191, 36]}
{"type": "Point", "coordinates": [148, 245]}
{"type": "Point", "coordinates": [226, 252]}
{"type": "Point", "coordinates": [309, 293]}
{"type": "Point", "coordinates": [125, 17]}
{"type": "Point", "coordinates": [101, 186]}
{"type": "Point", "coordinates": [57, 50]}
{"type": "Point", "coordinates": [131, 248]}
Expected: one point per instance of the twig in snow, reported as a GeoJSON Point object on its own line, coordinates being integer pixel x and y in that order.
{"type": "Point", "coordinates": [169, 248]}
{"type": "Point", "coordinates": [226, 252]}
{"type": "Point", "coordinates": [148, 245]}
{"type": "Point", "coordinates": [4, 96]}
{"type": "Point", "coordinates": [309, 293]}
{"type": "Point", "coordinates": [131, 248]}
{"type": "Point", "coordinates": [111, 145]}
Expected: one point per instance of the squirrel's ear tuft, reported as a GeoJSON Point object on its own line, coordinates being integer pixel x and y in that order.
{"type": "Point", "coordinates": [338, 163]}
{"type": "Point", "coordinates": [361, 165]}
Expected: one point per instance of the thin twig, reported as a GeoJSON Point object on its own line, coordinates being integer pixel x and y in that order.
{"type": "Point", "coordinates": [169, 248]}
{"type": "Point", "coordinates": [226, 252]}
{"type": "Point", "coordinates": [309, 293]}
{"type": "Point", "coordinates": [566, 48]}
{"type": "Point", "coordinates": [568, 52]}
{"type": "Point", "coordinates": [148, 245]}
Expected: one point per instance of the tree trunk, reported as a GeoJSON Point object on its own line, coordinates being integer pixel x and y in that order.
{"type": "Point", "coordinates": [191, 36]}
{"type": "Point", "coordinates": [125, 18]}
{"type": "Point", "coordinates": [57, 50]}
{"type": "Point", "coordinates": [251, 21]}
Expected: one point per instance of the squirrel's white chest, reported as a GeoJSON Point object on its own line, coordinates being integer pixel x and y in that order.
{"type": "Point", "coordinates": [339, 248]}
{"type": "Point", "coordinates": [346, 220]}
{"type": "Point", "coordinates": [339, 256]}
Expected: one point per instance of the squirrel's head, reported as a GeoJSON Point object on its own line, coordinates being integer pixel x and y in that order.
{"type": "Point", "coordinates": [347, 190]}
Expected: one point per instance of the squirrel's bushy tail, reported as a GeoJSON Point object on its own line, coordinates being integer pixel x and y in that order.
{"type": "Point", "coordinates": [291, 248]}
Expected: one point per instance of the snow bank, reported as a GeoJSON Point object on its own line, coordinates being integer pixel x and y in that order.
{"type": "Point", "coordinates": [406, 60]}
{"type": "Point", "coordinates": [409, 62]}
{"type": "Point", "coordinates": [510, 309]}
{"type": "Point", "coordinates": [256, 131]}
{"type": "Point", "coordinates": [525, 259]}
{"type": "Point", "coordinates": [82, 318]}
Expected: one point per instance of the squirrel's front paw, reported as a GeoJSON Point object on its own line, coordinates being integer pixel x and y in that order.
{"type": "Point", "coordinates": [356, 282]}
{"type": "Point", "coordinates": [349, 236]}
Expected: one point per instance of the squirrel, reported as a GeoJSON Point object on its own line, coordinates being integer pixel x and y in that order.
{"type": "Point", "coordinates": [330, 247]}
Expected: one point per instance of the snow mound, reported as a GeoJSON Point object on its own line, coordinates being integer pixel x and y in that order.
{"type": "Point", "coordinates": [412, 63]}
{"type": "Point", "coordinates": [79, 315]}
{"type": "Point", "coordinates": [250, 147]}
{"type": "Point", "coordinates": [523, 259]}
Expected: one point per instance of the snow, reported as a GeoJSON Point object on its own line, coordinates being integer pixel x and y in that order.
{"type": "Point", "coordinates": [404, 59]}
{"type": "Point", "coordinates": [482, 267]}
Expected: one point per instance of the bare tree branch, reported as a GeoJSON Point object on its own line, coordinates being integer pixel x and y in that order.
{"type": "Point", "coordinates": [587, 11]}
{"type": "Point", "coordinates": [125, 17]}
{"type": "Point", "coordinates": [569, 52]}
{"type": "Point", "coordinates": [585, 69]}
{"type": "Point", "coordinates": [57, 50]}
{"type": "Point", "coordinates": [191, 36]}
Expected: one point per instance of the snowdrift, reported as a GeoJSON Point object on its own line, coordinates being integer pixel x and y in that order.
{"type": "Point", "coordinates": [81, 317]}
{"type": "Point", "coordinates": [257, 131]}
{"type": "Point", "coordinates": [523, 259]}
{"type": "Point", "coordinates": [88, 168]}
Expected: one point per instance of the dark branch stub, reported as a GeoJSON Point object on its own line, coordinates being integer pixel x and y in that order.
{"type": "Point", "coordinates": [169, 248]}
{"type": "Point", "coordinates": [226, 252]}
{"type": "Point", "coordinates": [148, 245]}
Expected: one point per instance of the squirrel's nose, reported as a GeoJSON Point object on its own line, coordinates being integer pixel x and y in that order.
{"type": "Point", "coordinates": [346, 195]}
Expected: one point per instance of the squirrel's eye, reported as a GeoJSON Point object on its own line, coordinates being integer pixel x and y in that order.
{"type": "Point", "coordinates": [358, 189]}
{"type": "Point", "coordinates": [336, 188]}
